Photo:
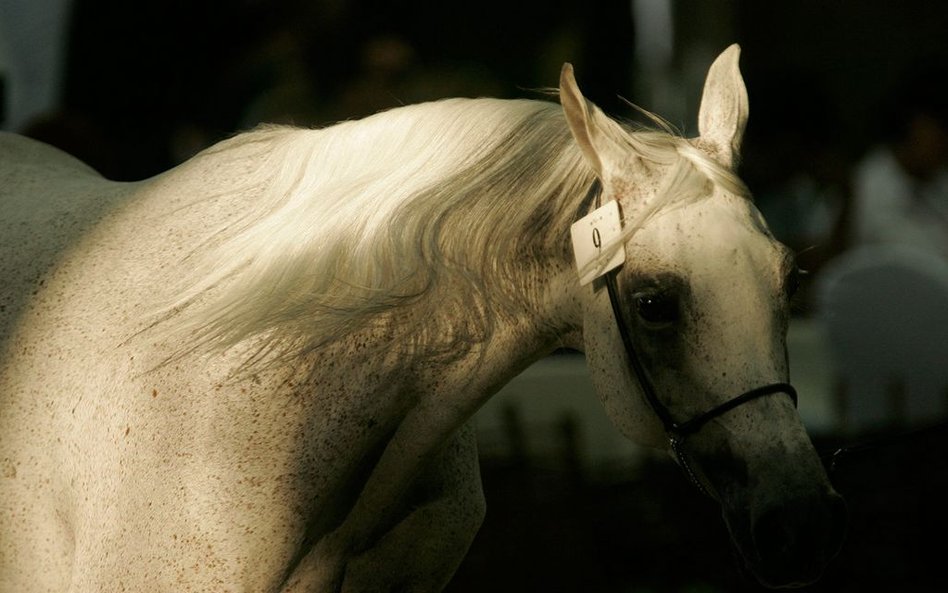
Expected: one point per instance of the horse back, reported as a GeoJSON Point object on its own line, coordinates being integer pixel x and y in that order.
{"type": "Point", "coordinates": [48, 198]}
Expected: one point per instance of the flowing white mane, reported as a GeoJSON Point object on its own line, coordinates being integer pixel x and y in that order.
{"type": "Point", "coordinates": [425, 215]}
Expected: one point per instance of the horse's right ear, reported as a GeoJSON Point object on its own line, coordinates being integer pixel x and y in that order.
{"type": "Point", "coordinates": [595, 133]}
{"type": "Point", "coordinates": [722, 115]}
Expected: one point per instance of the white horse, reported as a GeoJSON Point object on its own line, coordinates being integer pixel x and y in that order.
{"type": "Point", "coordinates": [256, 372]}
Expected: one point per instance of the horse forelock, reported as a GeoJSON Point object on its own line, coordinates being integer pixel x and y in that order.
{"type": "Point", "coordinates": [424, 217]}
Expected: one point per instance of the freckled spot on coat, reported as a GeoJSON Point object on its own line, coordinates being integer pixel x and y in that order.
{"type": "Point", "coordinates": [127, 429]}
{"type": "Point", "coordinates": [154, 393]}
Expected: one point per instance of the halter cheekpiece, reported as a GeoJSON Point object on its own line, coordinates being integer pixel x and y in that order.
{"type": "Point", "coordinates": [676, 431]}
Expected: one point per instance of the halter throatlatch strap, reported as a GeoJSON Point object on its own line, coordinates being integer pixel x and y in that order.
{"type": "Point", "coordinates": [676, 431]}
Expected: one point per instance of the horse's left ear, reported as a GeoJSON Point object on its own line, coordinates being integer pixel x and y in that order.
{"type": "Point", "coordinates": [600, 138]}
{"type": "Point", "coordinates": [723, 113]}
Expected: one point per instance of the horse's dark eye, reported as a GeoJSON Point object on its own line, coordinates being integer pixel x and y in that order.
{"type": "Point", "coordinates": [657, 309]}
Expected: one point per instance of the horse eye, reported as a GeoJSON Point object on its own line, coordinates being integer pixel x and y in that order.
{"type": "Point", "coordinates": [657, 309]}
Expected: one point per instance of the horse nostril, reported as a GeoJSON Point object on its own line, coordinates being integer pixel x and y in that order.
{"type": "Point", "coordinates": [797, 539]}
{"type": "Point", "coordinates": [772, 535]}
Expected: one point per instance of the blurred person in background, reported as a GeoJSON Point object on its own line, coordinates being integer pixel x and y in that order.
{"type": "Point", "coordinates": [798, 167]}
{"type": "Point", "coordinates": [900, 187]}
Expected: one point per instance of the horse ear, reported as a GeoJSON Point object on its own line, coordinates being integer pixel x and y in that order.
{"type": "Point", "coordinates": [596, 134]}
{"type": "Point", "coordinates": [723, 113]}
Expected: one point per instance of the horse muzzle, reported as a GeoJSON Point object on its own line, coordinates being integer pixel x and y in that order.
{"type": "Point", "coordinates": [789, 542]}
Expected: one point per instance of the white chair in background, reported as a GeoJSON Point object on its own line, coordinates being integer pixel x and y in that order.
{"type": "Point", "coordinates": [886, 314]}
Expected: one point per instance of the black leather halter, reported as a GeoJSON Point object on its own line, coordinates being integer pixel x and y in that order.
{"type": "Point", "coordinates": [676, 431]}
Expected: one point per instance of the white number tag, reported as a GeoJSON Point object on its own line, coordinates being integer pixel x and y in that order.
{"type": "Point", "coordinates": [593, 236]}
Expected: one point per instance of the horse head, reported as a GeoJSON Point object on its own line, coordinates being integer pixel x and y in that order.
{"type": "Point", "coordinates": [702, 299]}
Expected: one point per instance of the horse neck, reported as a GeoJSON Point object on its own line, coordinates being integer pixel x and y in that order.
{"type": "Point", "coordinates": [551, 316]}
{"type": "Point", "coordinates": [549, 320]}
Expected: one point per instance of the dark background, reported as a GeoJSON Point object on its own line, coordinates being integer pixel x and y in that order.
{"type": "Point", "coordinates": [142, 71]}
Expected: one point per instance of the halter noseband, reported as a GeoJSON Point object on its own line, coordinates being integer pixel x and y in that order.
{"type": "Point", "coordinates": [676, 431]}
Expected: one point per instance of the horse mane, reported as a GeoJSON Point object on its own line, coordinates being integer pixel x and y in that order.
{"type": "Point", "coordinates": [422, 218]}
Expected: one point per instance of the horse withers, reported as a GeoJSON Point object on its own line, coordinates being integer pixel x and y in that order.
{"type": "Point", "coordinates": [257, 371]}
